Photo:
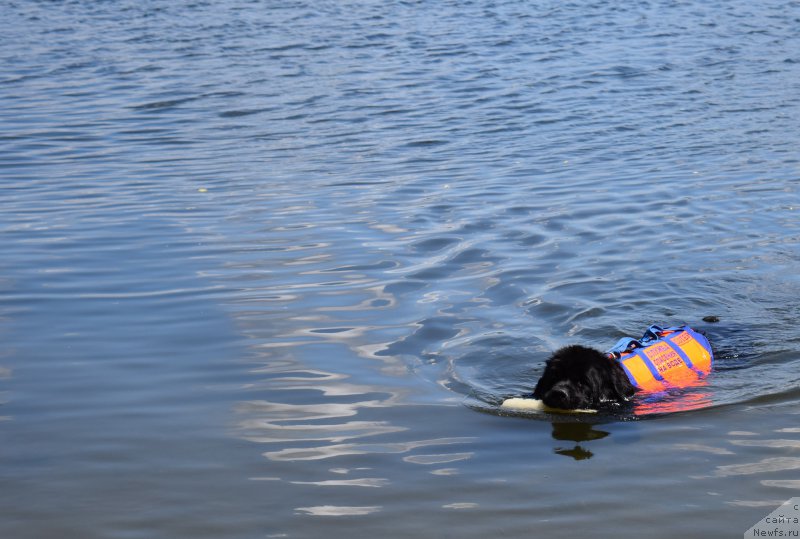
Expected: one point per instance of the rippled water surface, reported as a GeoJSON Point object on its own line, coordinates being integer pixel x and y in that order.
{"type": "Point", "coordinates": [268, 268]}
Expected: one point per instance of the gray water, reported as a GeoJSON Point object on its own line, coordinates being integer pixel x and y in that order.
{"type": "Point", "coordinates": [268, 268]}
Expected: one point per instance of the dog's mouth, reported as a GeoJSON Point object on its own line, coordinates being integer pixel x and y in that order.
{"type": "Point", "coordinates": [559, 397]}
{"type": "Point", "coordinates": [565, 397]}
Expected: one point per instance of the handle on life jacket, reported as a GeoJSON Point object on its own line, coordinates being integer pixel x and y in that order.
{"type": "Point", "coordinates": [627, 344]}
{"type": "Point", "coordinates": [623, 346]}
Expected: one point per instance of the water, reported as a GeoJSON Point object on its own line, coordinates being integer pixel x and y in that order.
{"type": "Point", "coordinates": [268, 268]}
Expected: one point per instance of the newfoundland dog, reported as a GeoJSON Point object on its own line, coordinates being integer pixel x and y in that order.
{"type": "Point", "coordinates": [578, 377]}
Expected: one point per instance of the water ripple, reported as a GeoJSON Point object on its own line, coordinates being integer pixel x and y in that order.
{"type": "Point", "coordinates": [344, 220]}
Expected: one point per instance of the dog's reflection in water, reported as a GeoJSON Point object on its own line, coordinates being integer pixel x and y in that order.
{"type": "Point", "coordinates": [576, 432]}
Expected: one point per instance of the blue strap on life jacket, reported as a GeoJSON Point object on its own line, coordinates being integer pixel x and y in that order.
{"type": "Point", "coordinates": [651, 334]}
{"type": "Point", "coordinates": [623, 346]}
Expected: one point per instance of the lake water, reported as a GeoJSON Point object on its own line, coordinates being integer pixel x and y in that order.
{"type": "Point", "coordinates": [269, 267]}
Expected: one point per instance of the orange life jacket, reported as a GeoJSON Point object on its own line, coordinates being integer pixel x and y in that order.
{"type": "Point", "coordinates": [677, 356]}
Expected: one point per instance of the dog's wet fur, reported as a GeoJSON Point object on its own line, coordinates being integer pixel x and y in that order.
{"type": "Point", "coordinates": [578, 377]}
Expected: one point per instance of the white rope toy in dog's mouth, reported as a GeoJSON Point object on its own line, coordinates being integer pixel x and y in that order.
{"type": "Point", "coordinates": [518, 403]}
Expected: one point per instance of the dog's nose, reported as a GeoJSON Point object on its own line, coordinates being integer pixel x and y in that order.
{"type": "Point", "coordinates": [557, 398]}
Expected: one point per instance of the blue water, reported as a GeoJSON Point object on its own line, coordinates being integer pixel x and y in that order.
{"type": "Point", "coordinates": [268, 268]}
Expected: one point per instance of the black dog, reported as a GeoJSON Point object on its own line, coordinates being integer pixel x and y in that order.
{"type": "Point", "coordinates": [578, 377]}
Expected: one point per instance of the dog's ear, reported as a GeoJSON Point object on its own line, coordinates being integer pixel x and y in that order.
{"type": "Point", "coordinates": [623, 388]}
{"type": "Point", "coordinates": [611, 382]}
{"type": "Point", "coordinates": [544, 383]}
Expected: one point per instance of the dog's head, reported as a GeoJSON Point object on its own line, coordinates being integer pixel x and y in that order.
{"type": "Point", "coordinates": [580, 377]}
